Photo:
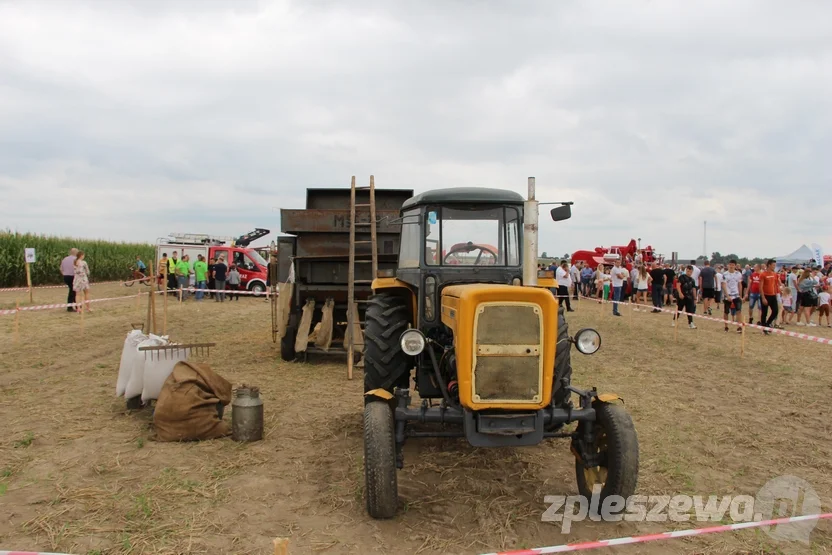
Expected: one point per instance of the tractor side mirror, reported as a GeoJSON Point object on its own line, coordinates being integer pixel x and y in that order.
{"type": "Point", "coordinates": [560, 213]}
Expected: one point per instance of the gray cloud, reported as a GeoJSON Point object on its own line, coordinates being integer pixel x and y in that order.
{"type": "Point", "coordinates": [123, 119]}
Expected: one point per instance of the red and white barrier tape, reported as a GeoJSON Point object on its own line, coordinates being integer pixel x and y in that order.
{"type": "Point", "coordinates": [229, 292]}
{"type": "Point", "coordinates": [584, 546]}
{"type": "Point", "coordinates": [194, 290]}
{"type": "Point", "coordinates": [50, 287]}
{"type": "Point", "coordinates": [806, 337]}
{"type": "Point", "coordinates": [67, 305]}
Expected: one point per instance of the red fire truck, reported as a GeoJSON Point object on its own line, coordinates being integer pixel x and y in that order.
{"type": "Point", "coordinates": [252, 267]}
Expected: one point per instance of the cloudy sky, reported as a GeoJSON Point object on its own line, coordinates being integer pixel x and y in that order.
{"type": "Point", "coordinates": [130, 120]}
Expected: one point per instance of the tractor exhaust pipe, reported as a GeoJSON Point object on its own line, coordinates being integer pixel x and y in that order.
{"type": "Point", "coordinates": [530, 217]}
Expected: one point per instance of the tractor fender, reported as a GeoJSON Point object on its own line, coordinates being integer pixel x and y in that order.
{"type": "Point", "coordinates": [609, 397]}
{"type": "Point", "coordinates": [379, 393]}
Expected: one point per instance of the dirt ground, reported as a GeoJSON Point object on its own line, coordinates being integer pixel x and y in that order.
{"type": "Point", "coordinates": [80, 474]}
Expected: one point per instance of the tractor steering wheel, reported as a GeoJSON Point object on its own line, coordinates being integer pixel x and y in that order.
{"type": "Point", "coordinates": [472, 247]}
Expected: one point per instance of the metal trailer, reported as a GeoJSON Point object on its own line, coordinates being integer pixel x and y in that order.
{"type": "Point", "coordinates": [316, 241]}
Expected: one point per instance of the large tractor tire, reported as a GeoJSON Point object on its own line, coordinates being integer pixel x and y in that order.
{"type": "Point", "coordinates": [563, 361]}
{"type": "Point", "coordinates": [617, 443]}
{"type": "Point", "coordinates": [385, 364]}
{"type": "Point", "coordinates": [380, 485]}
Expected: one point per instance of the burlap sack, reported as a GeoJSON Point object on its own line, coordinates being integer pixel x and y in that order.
{"type": "Point", "coordinates": [187, 405]}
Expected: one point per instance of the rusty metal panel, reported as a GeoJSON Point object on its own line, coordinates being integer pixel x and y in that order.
{"type": "Point", "coordinates": [333, 272]}
{"type": "Point", "coordinates": [334, 199]}
{"type": "Point", "coordinates": [285, 252]}
{"type": "Point", "coordinates": [338, 244]}
{"type": "Point", "coordinates": [297, 221]}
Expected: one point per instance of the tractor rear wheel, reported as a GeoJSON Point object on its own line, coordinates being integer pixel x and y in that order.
{"type": "Point", "coordinates": [385, 364]}
{"type": "Point", "coordinates": [380, 485]}
{"type": "Point", "coordinates": [616, 443]}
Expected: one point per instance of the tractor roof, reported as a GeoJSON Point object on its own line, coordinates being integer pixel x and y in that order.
{"type": "Point", "coordinates": [466, 195]}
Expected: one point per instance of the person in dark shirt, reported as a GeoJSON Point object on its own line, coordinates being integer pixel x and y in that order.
{"type": "Point", "coordinates": [658, 275]}
{"type": "Point", "coordinates": [212, 284]}
{"type": "Point", "coordinates": [686, 296]}
{"type": "Point", "coordinates": [220, 274]}
{"type": "Point", "coordinates": [670, 276]}
{"type": "Point", "coordinates": [707, 285]}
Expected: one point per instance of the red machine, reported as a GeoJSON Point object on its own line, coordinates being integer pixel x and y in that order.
{"type": "Point", "coordinates": [608, 255]}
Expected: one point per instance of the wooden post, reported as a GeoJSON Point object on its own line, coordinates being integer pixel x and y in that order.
{"type": "Point", "coordinates": [17, 321]}
{"type": "Point", "coordinates": [356, 339]}
{"type": "Point", "coordinates": [632, 307]}
{"type": "Point", "coordinates": [742, 343]}
{"type": "Point", "coordinates": [82, 316]}
{"type": "Point", "coordinates": [676, 327]}
{"type": "Point", "coordinates": [165, 301]}
{"type": "Point", "coordinates": [281, 546]}
{"type": "Point", "coordinates": [29, 282]}
{"type": "Point", "coordinates": [152, 301]}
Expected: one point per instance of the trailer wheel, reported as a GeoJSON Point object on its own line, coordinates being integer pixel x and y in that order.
{"type": "Point", "coordinates": [385, 364]}
{"type": "Point", "coordinates": [287, 344]}
{"type": "Point", "coordinates": [380, 486]}
{"type": "Point", "coordinates": [616, 443]}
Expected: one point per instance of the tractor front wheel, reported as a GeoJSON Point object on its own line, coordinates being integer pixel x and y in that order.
{"type": "Point", "coordinates": [380, 486]}
{"type": "Point", "coordinates": [563, 362]}
{"type": "Point", "coordinates": [616, 444]}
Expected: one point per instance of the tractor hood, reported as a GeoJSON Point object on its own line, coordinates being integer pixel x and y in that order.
{"type": "Point", "coordinates": [504, 341]}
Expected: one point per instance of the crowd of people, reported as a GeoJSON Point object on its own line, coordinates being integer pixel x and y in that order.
{"type": "Point", "coordinates": [213, 274]}
{"type": "Point", "coordinates": [781, 296]}
{"type": "Point", "coordinates": [182, 275]}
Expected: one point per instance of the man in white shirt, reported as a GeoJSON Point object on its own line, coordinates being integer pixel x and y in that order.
{"type": "Point", "coordinates": [575, 274]}
{"type": "Point", "coordinates": [719, 278]}
{"type": "Point", "coordinates": [732, 294]}
{"type": "Point", "coordinates": [696, 271]}
{"type": "Point", "coordinates": [618, 275]}
{"type": "Point", "coordinates": [564, 282]}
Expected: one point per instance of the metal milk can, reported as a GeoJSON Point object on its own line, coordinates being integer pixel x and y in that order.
{"type": "Point", "coordinates": [247, 414]}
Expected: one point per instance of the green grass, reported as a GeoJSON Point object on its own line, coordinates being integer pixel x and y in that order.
{"type": "Point", "coordinates": [26, 441]}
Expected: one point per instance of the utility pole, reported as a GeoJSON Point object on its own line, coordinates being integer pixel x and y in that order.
{"type": "Point", "coordinates": [705, 239]}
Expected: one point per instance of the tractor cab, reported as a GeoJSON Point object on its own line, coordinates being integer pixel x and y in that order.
{"type": "Point", "coordinates": [457, 236]}
{"type": "Point", "coordinates": [468, 322]}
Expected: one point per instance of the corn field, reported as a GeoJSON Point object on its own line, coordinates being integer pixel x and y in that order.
{"type": "Point", "coordinates": [107, 261]}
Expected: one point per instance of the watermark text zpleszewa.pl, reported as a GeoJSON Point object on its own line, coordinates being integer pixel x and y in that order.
{"type": "Point", "coordinates": [781, 497]}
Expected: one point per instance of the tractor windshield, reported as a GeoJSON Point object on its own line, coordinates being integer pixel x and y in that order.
{"type": "Point", "coordinates": [472, 236]}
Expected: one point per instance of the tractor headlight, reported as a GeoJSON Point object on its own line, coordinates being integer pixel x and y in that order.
{"type": "Point", "coordinates": [588, 341]}
{"type": "Point", "coordinates": [413, 342]}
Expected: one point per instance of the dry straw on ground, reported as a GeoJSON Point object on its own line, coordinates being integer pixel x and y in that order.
{"type": "Point", "coordinates": [80, 474]}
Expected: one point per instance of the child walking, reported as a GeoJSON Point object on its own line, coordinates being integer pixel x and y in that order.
{"type": "Point", "coordinates": [824, 301]}
{"type": "Point", "coordinates": [787, 315]}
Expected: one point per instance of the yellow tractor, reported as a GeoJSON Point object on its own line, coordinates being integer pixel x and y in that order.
{"type": "Point", "coordinates": [471, 321]}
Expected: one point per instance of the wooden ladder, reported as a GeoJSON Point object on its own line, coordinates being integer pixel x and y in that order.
{"type": "Point", "coordinates": [354, 325]}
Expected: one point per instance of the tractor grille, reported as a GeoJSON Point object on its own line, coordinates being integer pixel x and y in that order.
{"type": "Point", "coordinates": [508, 353]}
